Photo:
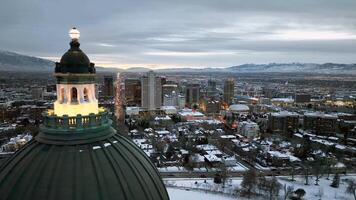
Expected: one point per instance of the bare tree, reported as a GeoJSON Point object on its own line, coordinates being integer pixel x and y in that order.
{"type": "Point", "coordinates": [224, 173]}
{"type": "Point", "coordinates": [292, 170]}
{"type": "Point", "coordinates": [351, 187]}
{"type": "Point", "coordinates": [306, 175]}
{"type": "Point", "coordinates": [330, 162]}
{"type": "Point", "coordinates": [288, 191]}
{"type": "Point", "coordinates": [320, 193]}
{"type": "Point", "coordinates": [274, 187]}
{"type": "Point", "coordinates": [318, 169]}
{"type": "Point", "coordinates": [249, 182]}
{"type": "Point", "coordinates": [269, 186]}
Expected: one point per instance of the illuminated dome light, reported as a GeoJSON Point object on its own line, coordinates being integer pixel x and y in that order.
{"type": "Point", "coordinates": [74, 33]}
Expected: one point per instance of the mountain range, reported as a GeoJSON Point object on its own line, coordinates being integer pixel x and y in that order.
{"type": "Point", "coordinates": [10, 61]}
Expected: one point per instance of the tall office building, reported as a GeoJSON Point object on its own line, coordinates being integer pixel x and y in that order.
{"type": "Point", "coordinates": [168, 89]}
{"type": "Point", "coordinates": [37, 93]}
{"type": "Point", "coordinates": [211, 89]}
{"type": "Point", "coordinates": [229, 90]}
{"type": "Point", "coordinates": [151, 91]}
{"type": "Point", "coordinates": [133, 92]}
{"type": "Point", "coordinates": [192, 93]}
{"type": "Point", "coordinates": [120, 98]}
{"type": "Point", "coordinates": [108, 90]}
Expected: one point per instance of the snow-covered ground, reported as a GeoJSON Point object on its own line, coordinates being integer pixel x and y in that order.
{"type": "Point", "coordinates": [197, 186]}
{"type": "Point", "coordinates": [327, 192]}
{"type": "Point", "coordinates": [181, 194]}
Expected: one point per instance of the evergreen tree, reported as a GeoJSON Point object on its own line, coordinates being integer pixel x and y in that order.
{"type": "Point", "coordinates": [300, 193]}
{"type": "Point", "coordinates": [217, 179]}
{"type": "Point", "coordinates": [351, 187]}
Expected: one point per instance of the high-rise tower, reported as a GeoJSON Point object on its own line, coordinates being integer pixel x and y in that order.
{"type": "Point", "coordinates": [229, 90]}
{"type": "Point", "coordinates": [151, 91]}
{"type": "Point", "coordinates": [108, 89]}
{"type": "Point", "coordinates": [78, 155]}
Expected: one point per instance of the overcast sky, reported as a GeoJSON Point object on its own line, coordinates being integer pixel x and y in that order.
{"type": "Point", "coordinates": [184, 33]}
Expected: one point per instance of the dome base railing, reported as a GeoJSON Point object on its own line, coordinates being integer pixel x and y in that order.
{"type": "Point", "coordinates": [78, 122]}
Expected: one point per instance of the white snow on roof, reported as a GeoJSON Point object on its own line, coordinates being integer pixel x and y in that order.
{"type": "Point", "coordinates": [239, 108]}
{"type": "Point", "coordinates": [279, 154]}
{"type": "Point", "coordinates": [320, 114]}
{"type": "Point", "coordinates": [168, 108]}
{"type": "Point", "coordinates": [339, 165]}
{"type": "Point", "coordinates": [190, 112]}
{"type": "Point", "coordinates": [107, 144]}
{"type": "Point", "coordinates": [212, 158]}
{"type": "Point", "coordinates": [339, 146]}
{"type": "Point", "coordinates": [284, 100]}
{"type": "Point", "coordinates": [198, 158]}
{"type": "Point", "coordinates": [206, 147]}
{"type": "Point", "coordinates": [228, 136]}
{"type": "Point", "coordinates": [321, 141]}
{"type": "Point", "coordinates": [163, 132]}
{"type": "Point", "coordinates": [284, 114]}
{"type": "Point", "coordinates": [96, 147]}
{"type": "Point", "coordinates": [162, 118]}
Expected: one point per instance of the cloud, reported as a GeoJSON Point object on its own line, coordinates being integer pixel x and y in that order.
{"type": "Point", "coordinates": [105, 45]}
{"type": "Point", "coordinates": [182, 33]}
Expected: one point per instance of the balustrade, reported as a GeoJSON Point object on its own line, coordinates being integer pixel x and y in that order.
{"type": "Point", "coordinates": [76, 122]}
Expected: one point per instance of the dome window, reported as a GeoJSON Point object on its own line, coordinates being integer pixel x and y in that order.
{"type": "Point", "coordinates": [74, 95]}
{"type": "Point", "coordinates": [86, 95]}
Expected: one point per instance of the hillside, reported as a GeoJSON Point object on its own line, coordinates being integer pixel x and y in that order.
{"type": "Point", "coordinates": [13, 62]}
{"type": "Point", "coordinates": [10, 61]}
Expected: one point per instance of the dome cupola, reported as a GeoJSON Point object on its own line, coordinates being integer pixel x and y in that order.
{"type": "Point", "coordinates": [74, 60]}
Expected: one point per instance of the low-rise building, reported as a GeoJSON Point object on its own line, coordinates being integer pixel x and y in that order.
{"type": "Point", "coordinates": [210, 106]}
{"type": "Point", "coordinates": [191, 115]}
{"type": "Point", "coordinates": [239, 109]}
{"type": "Point", "coordinates": [302, 98]}
{"type": "Point", "coordinates": [283, 122]}
{"type": "Point", "coordinates": [248, 129]}
{"type": "Point", "coordinates": [320, 123]}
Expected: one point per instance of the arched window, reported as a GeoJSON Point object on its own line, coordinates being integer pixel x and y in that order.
{"type": "Point", "coordinates": [86, 95]}
{"type": "Point", "coordinates": [74, 95]}
{"type": "Point", "coordinates": [61, 95]}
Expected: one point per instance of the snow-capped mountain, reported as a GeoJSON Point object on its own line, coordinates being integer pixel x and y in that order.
{"type": "Point", "coordinates": [327, 68]}
{"type": "Point", "coordinates": [10, 61]}
{"type": "Point", "coordinates": [14, 62]}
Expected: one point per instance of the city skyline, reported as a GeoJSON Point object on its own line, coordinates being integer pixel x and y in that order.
{"type": "Point", "coordinates": [197, 34]}
{"type": "Point", "coordinates": [172, 100]}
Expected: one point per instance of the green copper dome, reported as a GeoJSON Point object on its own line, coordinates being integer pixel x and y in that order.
{"type": "Point", "coordinates": [75, 61]}
{"type": "Point", "coordinates": [79, 157]}
{"type": "Point", "coordinates": [79, 164]}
